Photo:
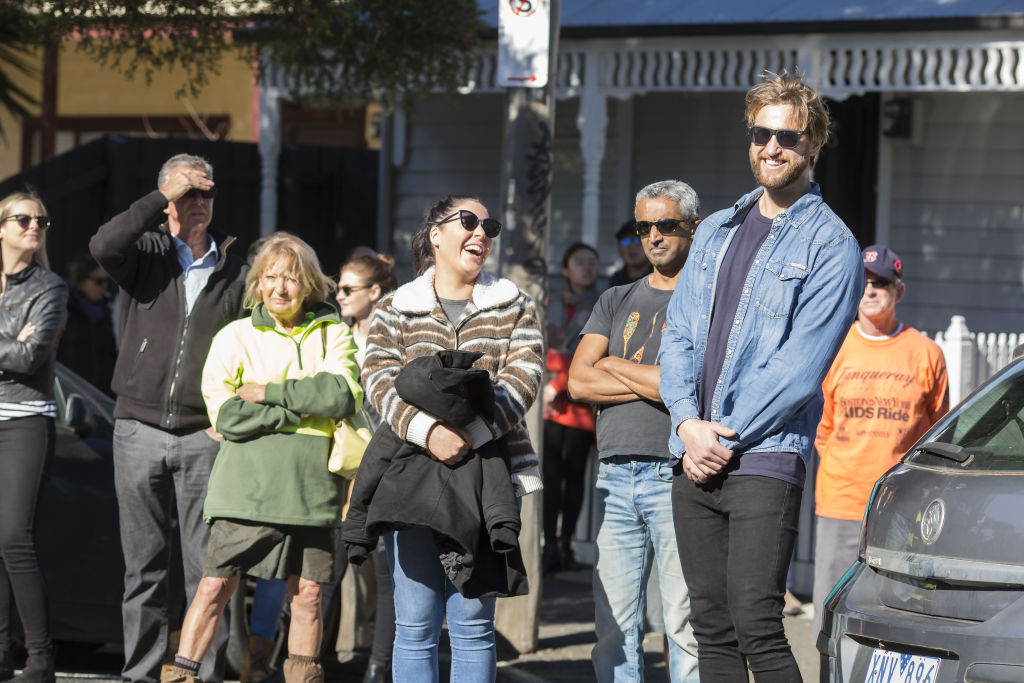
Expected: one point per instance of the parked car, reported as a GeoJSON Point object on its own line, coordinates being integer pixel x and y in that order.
{"type": "Point", "coordinates": [937, 591]}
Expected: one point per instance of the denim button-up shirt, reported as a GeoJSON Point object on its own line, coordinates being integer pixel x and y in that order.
{"type": "Point", "coordinates": [798, 302]}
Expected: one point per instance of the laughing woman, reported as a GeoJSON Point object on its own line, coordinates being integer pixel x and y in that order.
{"type": "Point", "coordinates": [274, 385]}
{"type": "Point", "coordinates": [33, 310]}
{"type": "Point", "coordinates": [452, 304]}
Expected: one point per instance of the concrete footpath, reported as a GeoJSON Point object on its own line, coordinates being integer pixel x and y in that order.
{"type": "Point", "coordinates": [567, 636]}
{"type": "Point", "coordinates": [563, 655]}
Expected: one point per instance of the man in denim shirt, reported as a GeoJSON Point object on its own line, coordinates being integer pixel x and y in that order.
{"type": "Point", "coordinates": [763, 303]}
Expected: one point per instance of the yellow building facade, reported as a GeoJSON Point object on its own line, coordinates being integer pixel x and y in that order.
{"type": "Point", "coordinates": [92, 100]}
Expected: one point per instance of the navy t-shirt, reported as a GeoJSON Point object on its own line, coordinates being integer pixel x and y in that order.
{"type": "Point", "coordinates": [732, 275]}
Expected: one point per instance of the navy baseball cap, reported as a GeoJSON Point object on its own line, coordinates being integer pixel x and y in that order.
{"type": "Point", "coordinates": [882, 261]}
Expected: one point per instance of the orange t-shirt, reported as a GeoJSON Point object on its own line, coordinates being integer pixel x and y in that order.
{"type": "Point", "coordinates": [881, 395]}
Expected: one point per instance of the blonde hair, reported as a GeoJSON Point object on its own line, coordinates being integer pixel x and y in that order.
{"type": "Point", "coordinates": [789, 88]}
{"type": "Point", "coordinates": [301, 262]}
{"type": "Point", "coordinates": [6, 206]}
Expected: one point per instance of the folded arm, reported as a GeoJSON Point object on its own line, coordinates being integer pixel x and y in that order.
{"type": "Point", "coordinates": [47, 315]}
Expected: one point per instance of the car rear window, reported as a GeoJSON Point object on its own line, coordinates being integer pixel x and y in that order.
{"type": "Point", "coordinates": [989, 426]}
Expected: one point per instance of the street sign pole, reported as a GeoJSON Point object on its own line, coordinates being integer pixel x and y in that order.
{"type": "Point", "coordinates": [526, 213]}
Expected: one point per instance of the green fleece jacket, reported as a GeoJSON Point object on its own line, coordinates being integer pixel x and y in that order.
{"type": "Point", "coordinates": [272, 464]}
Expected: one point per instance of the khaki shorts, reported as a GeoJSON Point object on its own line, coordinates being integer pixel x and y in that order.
{"type": "Point", "coordinates": [269, 552]}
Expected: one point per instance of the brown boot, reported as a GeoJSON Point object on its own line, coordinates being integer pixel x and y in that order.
{"type": "Point", "coordinates": [257, 665]}
{"type": "Point", "coordinates": [175, 674]}
{"type": "Point", "coordinates": [302, 669]}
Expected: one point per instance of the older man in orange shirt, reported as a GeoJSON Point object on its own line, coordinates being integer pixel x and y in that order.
{"type": "Point", "coordinates": [886, 387]}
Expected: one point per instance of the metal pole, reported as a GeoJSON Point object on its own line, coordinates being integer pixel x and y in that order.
{"type": "Point", "coordinates": [526, 212]}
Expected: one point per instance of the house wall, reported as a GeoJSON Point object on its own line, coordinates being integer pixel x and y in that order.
{"type": "Point", "coordinates": [84, 88]}
{"type": "Point", "coordinates": [698, 138]}
{"type": "Point", "coordinates": [957, 212]}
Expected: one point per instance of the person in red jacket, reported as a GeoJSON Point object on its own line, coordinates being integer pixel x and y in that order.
{"type": "Point", "coordinates": [568, 425]}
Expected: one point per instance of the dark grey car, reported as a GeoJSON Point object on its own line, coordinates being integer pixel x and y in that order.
{"type": "Point", "coordinates": [937, 592]}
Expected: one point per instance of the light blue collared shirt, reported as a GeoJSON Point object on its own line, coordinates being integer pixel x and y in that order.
{"type": "Point", "coordinates": [197, 270]}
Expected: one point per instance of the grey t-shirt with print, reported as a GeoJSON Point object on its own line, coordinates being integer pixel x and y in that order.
{"type": "Point", "coordinates": [632, 317]}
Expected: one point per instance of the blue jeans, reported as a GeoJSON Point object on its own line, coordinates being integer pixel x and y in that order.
{"type": "Point", "coordinates": [736, 537]}
{"type": "Point", "coordinates": [423, 597]}
{"type": "Point", "coordinates": [267, 604]}
{"type": "Point", "coordinates": [634, 498]}
{"type": "Point", "coordinates": [153, 469]}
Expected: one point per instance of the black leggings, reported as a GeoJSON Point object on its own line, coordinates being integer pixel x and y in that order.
{"type": "Point", "coordinates": [384, 622]}
{"type": "Point", "coordinates": [26, 445]}
{"type": "Point", "coordinates": [565, 462]}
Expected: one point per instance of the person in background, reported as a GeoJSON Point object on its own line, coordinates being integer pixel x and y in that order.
{"type": "Point", "coordinates": [634, 262]}
{"type": "Point", "coordinates": [568, 424]}
{"type": "Point", "coordinates": [181, 282]}
{"type": "Point", "coordinates": [275, 384]}
{"type": "Point", "coordinates": [32, 317]}
{"type": "Point", "coordinates": [88, 346]}
{"type": "Point", "coordinates": [363, 280]}
{"type": "Point", "coordinates": [768, 292]}
{"type": "Point", "coordinates": [616, 368]}
{"type": "Point", "coordinates": [885, 389]}
{"type": "Point", "coordinates": [452, 305]}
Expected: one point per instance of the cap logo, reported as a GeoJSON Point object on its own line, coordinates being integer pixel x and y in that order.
{"type": "Point", "coordinates": [870, 256]}
{"type": "Point", "coordinates": [898, 267]}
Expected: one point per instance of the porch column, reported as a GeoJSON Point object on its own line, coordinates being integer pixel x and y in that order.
{"type": "Point", "coordinates": [270, 151]}
{"type": "Point", "coordinates": [592, 122]}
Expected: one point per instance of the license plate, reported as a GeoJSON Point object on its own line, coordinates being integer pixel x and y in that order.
{"type": "Point", "coordinates": [895, 667]}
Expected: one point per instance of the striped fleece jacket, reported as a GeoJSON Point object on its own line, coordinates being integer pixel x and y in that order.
{"type": "Point", "coordinates": [500, 321]}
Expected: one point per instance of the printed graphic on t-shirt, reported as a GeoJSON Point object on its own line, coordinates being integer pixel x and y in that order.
{"type": "Point", "coordinates": [638, 355]}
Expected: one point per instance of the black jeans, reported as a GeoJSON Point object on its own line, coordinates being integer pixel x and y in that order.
{"type": "Point", "coordinates": [26, 446]}
{"type": "Point", "coordinates": [736, 537]}
{"type": "Point", "coordinates": [565, 462]}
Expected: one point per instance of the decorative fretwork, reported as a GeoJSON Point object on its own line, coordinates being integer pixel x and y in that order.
{"type": "Point", "coordinates": [886, 62]}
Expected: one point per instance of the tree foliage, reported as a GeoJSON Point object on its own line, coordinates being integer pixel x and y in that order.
{"type": "Point", "coordinates": [339, 50]}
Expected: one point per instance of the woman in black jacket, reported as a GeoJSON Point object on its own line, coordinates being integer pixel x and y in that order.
{"type": "Point", "coordinates": [33, 310]}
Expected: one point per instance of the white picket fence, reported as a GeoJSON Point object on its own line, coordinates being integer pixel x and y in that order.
{"type": "Point", "coordinates": [973, 357]}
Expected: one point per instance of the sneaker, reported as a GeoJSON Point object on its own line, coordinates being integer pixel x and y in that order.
{"type": "Point", "coordinates": [550, 560]}
{"type": "Point", "coordinates": [257, 665]}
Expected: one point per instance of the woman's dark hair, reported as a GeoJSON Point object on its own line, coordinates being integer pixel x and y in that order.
{"type": "Point", "coordinates": [573, 248]}
{"type": "Point", "coordinates": [378, 270]}
{"type": "Point", "coordinates": [422, 250]}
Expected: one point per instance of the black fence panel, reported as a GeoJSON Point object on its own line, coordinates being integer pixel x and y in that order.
{"type": "Point", "coordinates": [328, 196]}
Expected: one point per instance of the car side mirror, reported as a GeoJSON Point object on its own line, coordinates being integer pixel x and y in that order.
{"type": "Point", "coordinates": [77, 416]}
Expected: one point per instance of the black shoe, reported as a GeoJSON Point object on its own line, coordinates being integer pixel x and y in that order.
{"type": "Point", "coordinates": [568, 560]}
{"type": "Point", "coordinates": [377, 672]}
{"type": "Point", "coordinates": [550, 560]}
{"type": "Point", "coordinates": [39, 668]}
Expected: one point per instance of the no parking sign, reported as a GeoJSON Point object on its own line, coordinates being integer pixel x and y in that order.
{"type": "Point", "coordinates": [524, 36]}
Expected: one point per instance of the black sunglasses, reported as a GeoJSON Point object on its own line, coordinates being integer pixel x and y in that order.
{"type": "Point", "coordinates": [470, 220]}
{"type": "Point", "coordinates": [666, 226]}
{"type": "Point", "coordinates": [196, 192]}
{"type": "Point", "coordinates": [348, 289]}
{"type": "Point", "coordinates": [25, 221]}
{"type": "Point", "coordinates": [787, 139]}
{"type": "Point", "coordinates": [878, 283]}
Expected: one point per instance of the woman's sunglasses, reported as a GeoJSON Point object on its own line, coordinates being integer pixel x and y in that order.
{"type": "Point", "coordinates": [787, 139]}
{"type": "Point", "coordinates": [470, 220]}
{"type": "Point", "coordinates": [24, 221]}
{"type": "Point", "coordinates": [348, 289]}
{"type": "Point", "coordinates": [666, 226]}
